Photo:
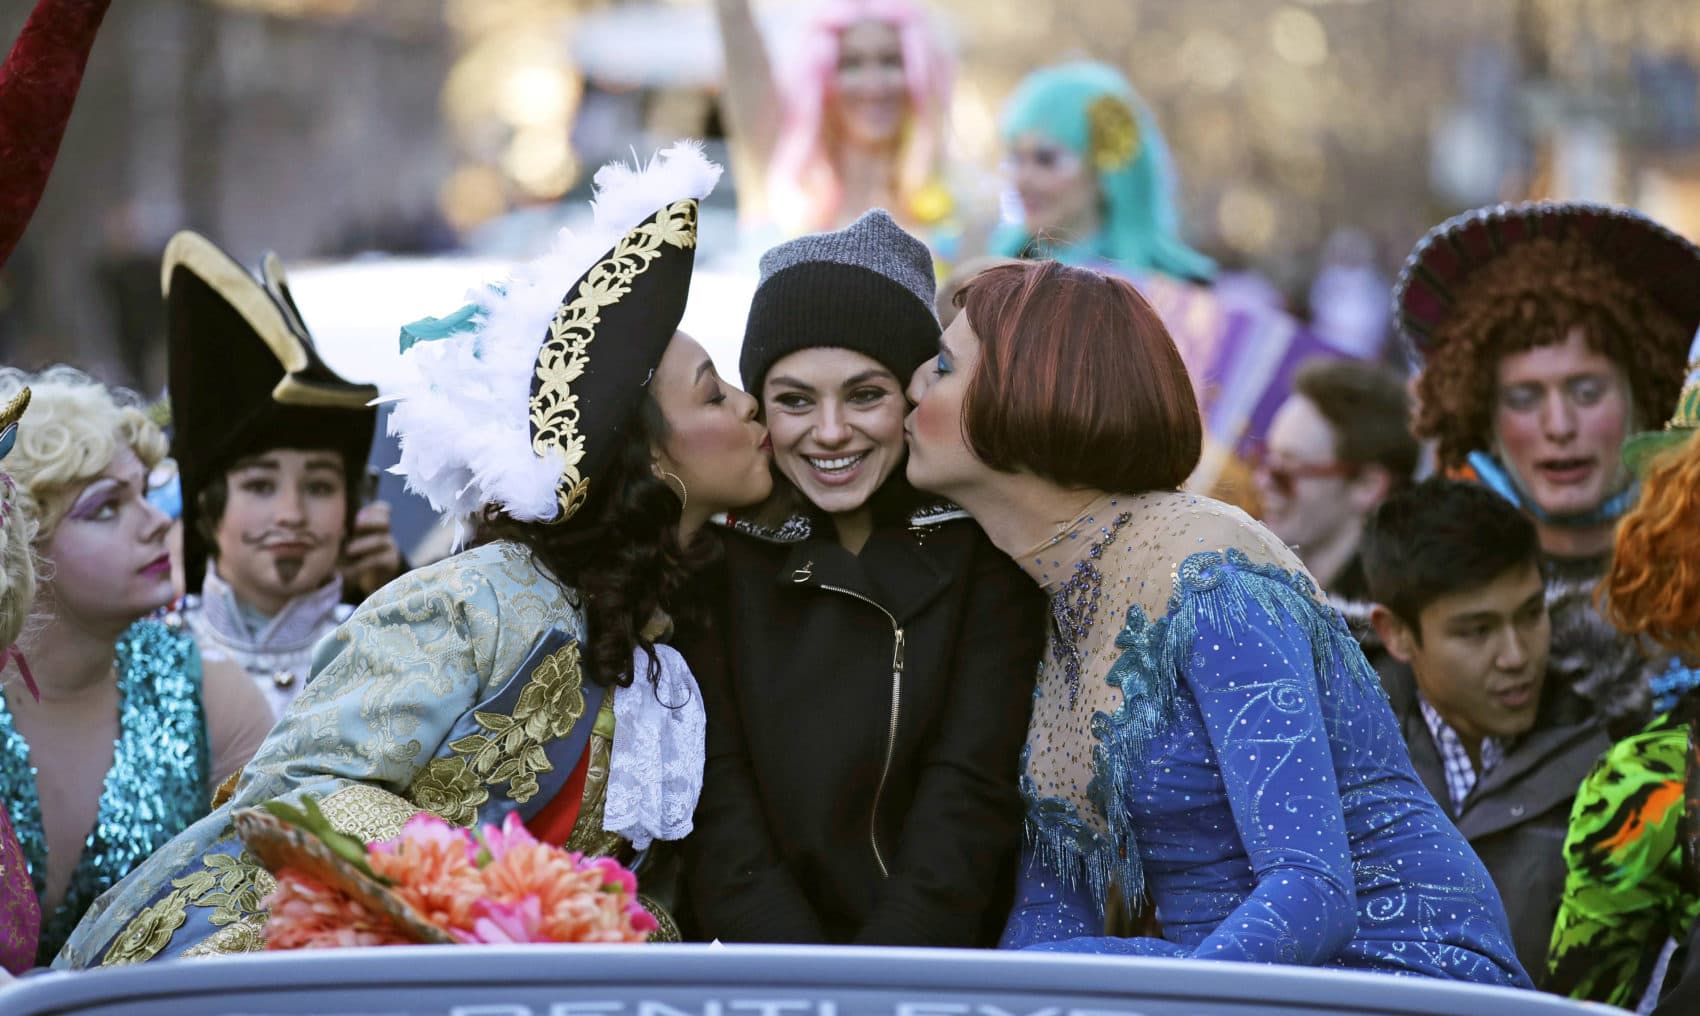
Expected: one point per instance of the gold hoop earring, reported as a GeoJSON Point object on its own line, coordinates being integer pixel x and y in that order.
{"type": "Point", "coordinates": [684, 495]}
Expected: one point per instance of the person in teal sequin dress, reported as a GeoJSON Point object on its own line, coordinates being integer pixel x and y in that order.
{"type": "Point", "coordinates": [86, 813]}
{"type": "Point", "coordinates": [1204, 729]}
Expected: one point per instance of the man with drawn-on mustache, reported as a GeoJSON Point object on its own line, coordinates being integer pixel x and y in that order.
{"type": "Point", "coordinates": [271, 448]}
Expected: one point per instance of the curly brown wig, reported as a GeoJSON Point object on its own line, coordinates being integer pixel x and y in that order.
{"type": "Point", "coordinates": [619, 559]}
{"type": "Point", "coordinates": [1533, 298]}
{"type": "Point", "coordinates": [1653, 587]}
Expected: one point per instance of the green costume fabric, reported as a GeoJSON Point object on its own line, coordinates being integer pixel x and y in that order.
{"type": "Point", "coordinates": [1633, 879]}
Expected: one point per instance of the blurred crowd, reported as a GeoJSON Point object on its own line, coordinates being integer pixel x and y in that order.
{"type": "Point", "coordinates": [1479, 480]}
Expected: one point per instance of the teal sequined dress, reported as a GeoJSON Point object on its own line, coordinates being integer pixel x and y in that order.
{"type": "Point", "coordinates": [157, 785]}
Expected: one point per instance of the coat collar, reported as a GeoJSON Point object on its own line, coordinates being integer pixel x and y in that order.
{"type": "Point", "coordinates": [1540, 771]}
{"type": "Point", "coordinates": [1401, 688]}
{"type": "Point", "coordinates": [893, 571]}
{"type": "Point", "coordinates": [801, 526]}
{"type": "Point", "coordinates": [297, 626]}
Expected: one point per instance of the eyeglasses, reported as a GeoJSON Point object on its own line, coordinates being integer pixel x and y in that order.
{"type": "Point", "coordinates": [1283, 477]}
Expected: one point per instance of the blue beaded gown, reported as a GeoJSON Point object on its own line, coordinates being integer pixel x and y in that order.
{"type": "Point", "coordinates": [156, 786]}
{"type": "Point", "coordinates": [1206, 729]}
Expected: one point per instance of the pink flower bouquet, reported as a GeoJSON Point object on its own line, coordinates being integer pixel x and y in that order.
{"type": "Point", "coordinates": [435, 883]}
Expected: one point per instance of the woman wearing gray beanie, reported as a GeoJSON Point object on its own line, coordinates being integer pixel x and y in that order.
{"type": "Point", "coordinates": [876, 651]}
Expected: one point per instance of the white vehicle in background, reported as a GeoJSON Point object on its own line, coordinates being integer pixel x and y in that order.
{"type": "Point", "coordinates": [356, 308]}
{"type": "Point", "coordinates": [696, 980]}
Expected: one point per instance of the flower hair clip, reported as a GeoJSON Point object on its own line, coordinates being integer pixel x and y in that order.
{"type": "Point", "coordinates": [1112, 134]}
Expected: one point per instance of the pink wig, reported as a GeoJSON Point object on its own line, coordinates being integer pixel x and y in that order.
{"type": "Point", "coordinates": [803, 180]}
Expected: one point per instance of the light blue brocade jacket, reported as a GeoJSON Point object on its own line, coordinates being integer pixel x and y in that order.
{"type": "Point", "coordinates": [408, 708]}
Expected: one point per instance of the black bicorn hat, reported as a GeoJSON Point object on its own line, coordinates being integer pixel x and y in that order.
{"type": "Point", "coordinates": [245, 378]}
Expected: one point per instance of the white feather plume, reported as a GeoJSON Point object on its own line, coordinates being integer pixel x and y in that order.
{"type": "Point", "coordinates": [462, 413]}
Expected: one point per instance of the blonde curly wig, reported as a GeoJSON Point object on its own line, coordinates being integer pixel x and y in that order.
{"type": "Point", "coordinates": [17, 562]}
{"type": "Point", "coordinates": [75, 427]}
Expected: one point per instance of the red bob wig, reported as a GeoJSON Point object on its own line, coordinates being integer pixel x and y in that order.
{"type": "Point", "coordinates": [1079, 381]}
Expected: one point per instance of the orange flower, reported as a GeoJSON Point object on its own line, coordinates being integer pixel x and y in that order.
{"type": "Point", "coordinates": [307, 914]}
{"type": "Point", "coordinates": [433, 875]}
{"type": "Point", "coordinates": [578, 900]}
{"type": "Point", "coordinates": [497, 886]}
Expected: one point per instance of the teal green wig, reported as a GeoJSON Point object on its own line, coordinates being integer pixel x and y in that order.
{"type": "Point", "coordinates": [1091, 109]}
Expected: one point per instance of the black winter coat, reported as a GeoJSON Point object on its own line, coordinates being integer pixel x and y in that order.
{"type": "Point", "coordinates": [866, 715]}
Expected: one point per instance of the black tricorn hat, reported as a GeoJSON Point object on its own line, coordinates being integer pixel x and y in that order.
{"type": "Point", "coordinates": [636, 296]}
{"type": "Point", "coordinates": [245, 378]}
{"type": "Point", "coordinates": [582, 328]}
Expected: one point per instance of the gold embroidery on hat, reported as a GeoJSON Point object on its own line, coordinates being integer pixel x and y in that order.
{"type": "Point", "coordinates": [1112, 134]}
{"type": "Point", "coordinates": [566, 354]}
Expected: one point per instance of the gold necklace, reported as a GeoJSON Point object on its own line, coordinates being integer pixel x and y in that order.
{"type": "Point", "coordinates": [1062, 530]}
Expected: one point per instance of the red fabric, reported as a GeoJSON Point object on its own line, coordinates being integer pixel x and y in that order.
{"type": "Point", "coordinates": [38, 84]}
{"type": "Point", "coordinates": [554, 824]}
{"type": "Point", "coordinates": [20, 913]}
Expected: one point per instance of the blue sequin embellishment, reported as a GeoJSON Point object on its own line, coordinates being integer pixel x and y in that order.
{"type": "Point", "coordinates": [1671, 685]}
{"type": "Point", "coordinates": [1223, 586]}
{"type": "Point", "coordinates": [156, 788]}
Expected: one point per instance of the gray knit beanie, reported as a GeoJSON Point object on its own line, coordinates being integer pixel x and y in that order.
{"type": "Point", "coordinates": [868, 288]}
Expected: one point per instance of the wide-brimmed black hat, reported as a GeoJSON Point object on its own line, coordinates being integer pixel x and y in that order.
{"type": "Point", "coordinates": [245, 378]}
{"type": "Point", "coordinates": [1437, 275]}
{"type": "Point", "coordinates": [519, 400]}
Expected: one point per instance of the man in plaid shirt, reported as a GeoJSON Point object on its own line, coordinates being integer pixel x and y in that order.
{"type": "Point", "coordinates": [1459, 604]}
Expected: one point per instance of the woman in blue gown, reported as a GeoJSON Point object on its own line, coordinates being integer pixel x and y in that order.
{"type": "Point", "coordinates": [1204, 727]}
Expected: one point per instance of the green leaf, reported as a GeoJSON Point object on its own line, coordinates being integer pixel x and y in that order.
{"type": "Point", "coordinates": [197, 883]}
{"type": "Point", "coordinates": [471, 744]}
{"type": "Point", "coordinates": [312, 821]}
{"type": "Point", "coordinates": [495, 723]}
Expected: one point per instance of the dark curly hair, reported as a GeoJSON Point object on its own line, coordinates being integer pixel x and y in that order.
{"type": "Point", "coordinates": [1534, 298]}
{"type": "Point", "coordinates": [619, 558]}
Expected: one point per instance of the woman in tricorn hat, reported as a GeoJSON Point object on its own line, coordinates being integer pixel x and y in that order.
{"type": "Point", "coordinates": [595, 440]}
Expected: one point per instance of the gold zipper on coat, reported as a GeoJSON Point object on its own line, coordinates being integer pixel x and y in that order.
{"type": "Point", "coordinates": [891, 732]}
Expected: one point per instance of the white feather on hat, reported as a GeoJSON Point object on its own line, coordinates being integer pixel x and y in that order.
{"type": "Point", "coordinates": [462, 411]}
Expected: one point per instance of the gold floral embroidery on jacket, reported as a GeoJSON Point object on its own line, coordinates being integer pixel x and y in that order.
{"type": "Point", "coordinates": [509, 749]}
{"type": "Point", "coordinates": [242, 937]}
{"type": "Point", "coordinates": [367, 813]}
{"type": "Point", "coordinates": [449, 789]}
{"type": "Point", "coordinates": [231, 885]}
{"type": "Point", "coordinates": [566, 353]}
{"type": "Point", "coordinates": [149, 931]}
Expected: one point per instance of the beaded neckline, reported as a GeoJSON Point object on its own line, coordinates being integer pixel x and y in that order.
{"type": "Point", "coordinates": [1074, 605]}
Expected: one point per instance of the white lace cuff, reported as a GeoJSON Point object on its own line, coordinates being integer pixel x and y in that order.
{"type": "Point", "coordinates": [655, 767]}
